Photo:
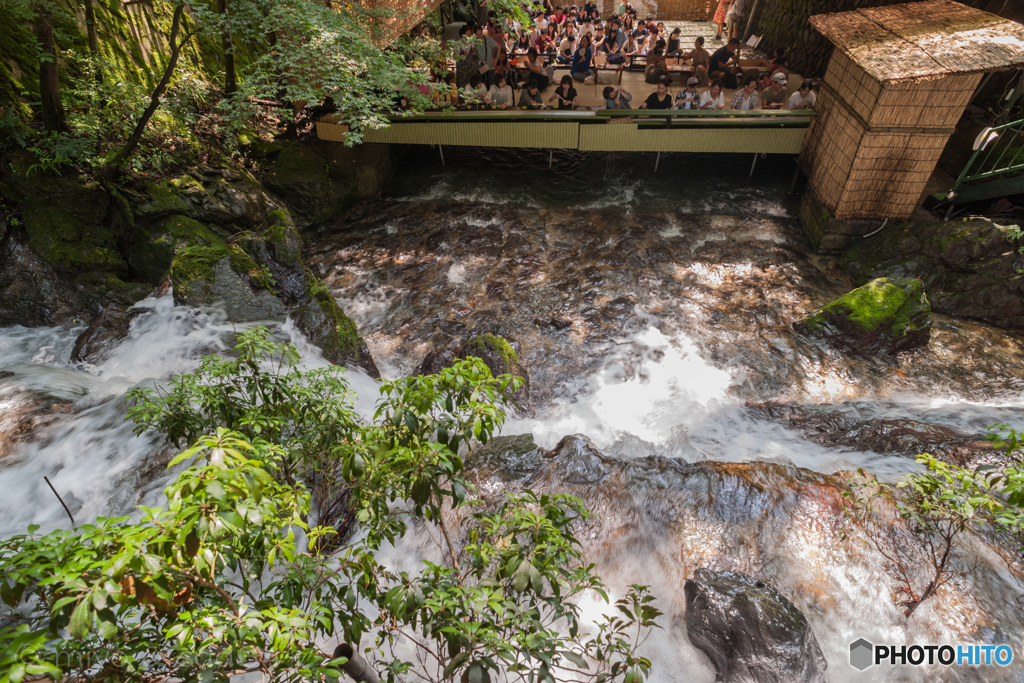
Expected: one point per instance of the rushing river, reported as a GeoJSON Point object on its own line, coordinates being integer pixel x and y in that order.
{"type": "Point", "coordinates": [653, 312]}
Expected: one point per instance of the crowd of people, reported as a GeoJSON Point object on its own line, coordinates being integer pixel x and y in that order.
{"type": "Point", "coordinates": [494, 61]}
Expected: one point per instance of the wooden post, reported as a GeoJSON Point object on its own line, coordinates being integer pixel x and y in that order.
{"type": "Point", "coordinates": [750, 20]}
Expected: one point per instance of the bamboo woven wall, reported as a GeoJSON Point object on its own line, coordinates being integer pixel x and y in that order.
{"type": "Point", "coordinates": [873, 147]}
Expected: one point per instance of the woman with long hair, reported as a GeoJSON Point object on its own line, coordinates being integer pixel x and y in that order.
{"type": "Point", "coordinates": [565, 94]}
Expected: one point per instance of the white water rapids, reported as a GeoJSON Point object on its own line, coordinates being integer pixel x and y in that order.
{"type": "Point", "coordinates": [653, 392]}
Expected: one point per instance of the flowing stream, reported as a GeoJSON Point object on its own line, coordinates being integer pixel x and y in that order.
{"type": "Point", "coordinates": [653, 313]}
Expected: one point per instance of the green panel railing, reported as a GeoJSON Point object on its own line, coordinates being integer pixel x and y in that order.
{"type": "Point", "coordinates": [995, 169]}
{"type": "Point", "coordinates": [780, 132]}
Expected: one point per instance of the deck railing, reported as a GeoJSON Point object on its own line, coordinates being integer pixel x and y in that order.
{"type": "Point", "coordinates": [761, 132]}
{"type": "Point", "coordinates": [995, 169]}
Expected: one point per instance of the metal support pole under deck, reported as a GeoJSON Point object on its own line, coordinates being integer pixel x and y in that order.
{"type": "Point", "coordinates": [441, 150]}
{"type": "Point", "coordinates": [753, 165]}
{"type": "Point", "coordinates": [796, 179]}
{"type": "Point", "coordinates": [656, 162]}
{"type": "Point", "coordinates": [551, 157]}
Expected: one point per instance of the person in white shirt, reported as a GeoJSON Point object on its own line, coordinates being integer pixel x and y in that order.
{"type": "Point", "coordinates": [804, 98]}
{"type": "Point", "coordinates": [500, 95]}
{"type": "Point", "coordinates": [713, 98]}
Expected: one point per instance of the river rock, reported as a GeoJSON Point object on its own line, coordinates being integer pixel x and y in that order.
{"type": "Point", "coordinates": [300, 176]}
{"type": "Point", "coordinates": [971, 268]}
{"type": "Point", "coordinates": [33, 397]}
{"type": "Point", "coordinates": [206, 276]}
{"type": "Point", "coordinates": [882, 317]}
{"type": "Point", "coordinates": [844, 427]}
{"type": "Point", "coordinates": [750, 631]}
{"type": "Point", "coordinates": [105, 333]}
{"type": "Point", "coordinates": [32, 293]}
{"type": "Point", "coordinates": [322, 320]}
{"type": "Point", "coordinates": [228, 197]}
{"type": "Point", "coordinates": [497, 353]}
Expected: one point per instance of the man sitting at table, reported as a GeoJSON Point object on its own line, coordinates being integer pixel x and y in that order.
{"type": "Point", "coordinates": [719, 65]}
{"type": "Point", "coordinates": [774, 96]}
{"type": "Point", "coordinates": [530, 97]}
{"type": "Point", "coordinates": [746, 97]}
{"type": "Point", "coordinates": [689, 98]}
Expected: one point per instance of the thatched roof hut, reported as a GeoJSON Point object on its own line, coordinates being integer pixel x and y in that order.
{"type": "Point", "coordinates": [924, 40]}
{"type": "Point", "coordinates": [895, 88]}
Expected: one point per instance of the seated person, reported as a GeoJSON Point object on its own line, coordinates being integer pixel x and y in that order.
{"type": "Point", "coordinates": [774, 96]}
{"type": "Point", "coordinates": [631, 48]}
{"type": "Point", "coordinates": [673, 49]}
{"type": "Point", "coordinates": [477, 90]}
{"type": "Point", "coordinates": [700, 58]}
{"type": "Point", "coordinates": [500, 95]}
{"type": "Point", "coordinates": [725, 63]}
{"type": "Point", "coordinates": [656, 68]}
{"type": "Point", "coordinates": [529, 97]}
{"type": "Point", "coordinates": [713, 98]}
{"type": "Point", "coordinates": [565, 94]}
{"type": "Point", "coordinates": [565, 48]}
{"type": "Point", "coordinates": [660, 99]}
{"type": "Point", "coordinates": [536, 70]}
{"type": "Point", "coordinates": [689, 98]}
{"type": "Point", "coordinates": [580, 69]}
{"type": "Point", "coordinates": [616, 98]}
{"type": "Point", "coordinates": [804, 98]}
{"type": "Point", "coordinates": [746, 98]}
{"type": "Point", "coordinates": [613, 48]}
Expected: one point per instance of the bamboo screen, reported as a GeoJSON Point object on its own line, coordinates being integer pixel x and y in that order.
{"type": "Point", "coordinates": [679, 10]}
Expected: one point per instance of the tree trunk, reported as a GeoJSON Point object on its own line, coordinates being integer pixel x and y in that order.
{"type": "Point", "coordinates": [230, 78]}
{"type": "Point", "coordinates": [357, 668]}
{"type": "Point", "coordinates": [90, 27]}
{"type": "Point", "coordinates": [154, 103]}
{"type": "Point", "coordinates": [49, 81]}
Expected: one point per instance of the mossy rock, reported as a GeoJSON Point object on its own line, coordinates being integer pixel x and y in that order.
{"type": "Point", "coordinates": [882, 317]}
{"type": "Point", "coordinates": [322, 320]}
{"type": "Point", "coordinates": [225, 275]}
{"type": "Point", "coordinates": [159, 201]}
{"type": "Point", "coordinates": [153, 248]}
{"type": "Point", "coordinates": [300, 177]}
{"type": "Point", "coordinates": [971, 268]}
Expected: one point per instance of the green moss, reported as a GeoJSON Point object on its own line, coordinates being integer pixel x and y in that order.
{"type": "Point", "coordinates": [242, 264]}
{"type": "Point", "coordinates": [498, 345]}
{"type": "Point", "coordinates": [880, 303]}
{"type": "Point", "coordinates": [344, 337]}
{"type": "Point", "coordinates": [288, 247]}
{"type": "Point", "coordinates": [197, 262]}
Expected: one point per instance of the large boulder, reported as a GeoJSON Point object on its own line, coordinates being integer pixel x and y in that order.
{"type": "Point", "coordinates": [971, 268]}
{"type": "Point", "coordinates": [225, 275]}
{"type": "Point", "coordinates": [750, 631]}
{"type": "Point", "coordinates": [882, 317]}
{"type": "Point", "coordinates": [32, 293]}
{"type": "Point", "coordinates": [260, 275]}
{"type": "Point", "coordinates": [300, 176]}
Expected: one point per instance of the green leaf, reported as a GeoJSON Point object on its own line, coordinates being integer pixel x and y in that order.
{"type": "Point", "coordinates": [575, 659]}
{"type": "Point", "coordinates": [81, 620]}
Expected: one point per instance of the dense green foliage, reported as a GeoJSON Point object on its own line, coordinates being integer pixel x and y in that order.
{"type": "Point", "coordinates": [282, 58]}
{"type": "Point", "coordinates": [241, 570]}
